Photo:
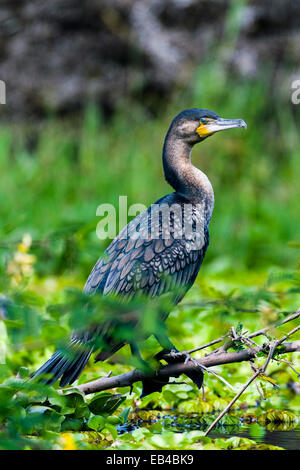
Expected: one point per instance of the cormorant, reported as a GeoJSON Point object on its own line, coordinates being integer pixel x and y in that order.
{"type": "Point", "coordinates": [147, 257]}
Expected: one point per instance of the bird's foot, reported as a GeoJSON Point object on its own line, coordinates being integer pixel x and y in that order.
{"type": "Point", "coordinates": [183, 355]}
{"type": "Point", "coordinates": [196, 374]}
{"type": "Point", "coordinates": [173, 356]}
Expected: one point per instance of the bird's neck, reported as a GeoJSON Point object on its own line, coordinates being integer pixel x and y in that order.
{"type": "Point", "coordinates": [183, 176]}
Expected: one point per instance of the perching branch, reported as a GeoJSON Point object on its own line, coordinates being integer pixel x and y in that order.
{"type": "Point", "coordinates": [217, 357]}
{"type": "Point", "coordinates": [174, 370]}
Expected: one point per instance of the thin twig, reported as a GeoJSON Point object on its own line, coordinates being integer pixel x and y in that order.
{"type": "Point", "coordinates": [232, 402]}
{"type": "Point", "coordinates": [285, 361]}
{"type": "Point", "coordinates": [229, 343]}
{"type": "Point", "coordinates": [287, 335]}
{"type": "Point", "coordinates": [261, 370]}
{"type": "Point", "coordinates": [204, 346]}
{"type": "Point", "coordinates": [219, 377]}
{"type": "Point", "coordinates": [272, 346]}
{"type": "Point", "coordinates": [275, 325]}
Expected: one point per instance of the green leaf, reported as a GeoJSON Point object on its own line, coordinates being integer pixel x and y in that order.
{"type": "Point", "coordinates": [112, 430]}
{"type": "Point", "coordinates": [124, 414]}
{"type": "Point", "coordinates": [74, 400]}
{"type": "Point", "coordinates": [96, 423]}
{"type": "Point", "coordinates": [72, 424]}
{"type": "Point", "coordinates": [239, 328]}
{"type": "Point", "coordinates": [105, 402]}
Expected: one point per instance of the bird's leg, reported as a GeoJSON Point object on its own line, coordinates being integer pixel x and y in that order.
{"type": "Point", "coordinates": [149, 385]}
{"type": "Point", "coordinates": [170, 349]}
{"type": "Point", "coordinates": [142, 364]}
{"type": "Point", "coordinates": [166, 344]}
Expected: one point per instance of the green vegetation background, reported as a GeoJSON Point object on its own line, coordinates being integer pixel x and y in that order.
{"type": "Point", "coordinates": [54, 174]}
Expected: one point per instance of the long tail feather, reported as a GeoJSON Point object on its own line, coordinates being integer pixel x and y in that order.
{"type": "Point", "coordinates": [65, 363]}
{"type": "Point", "coordinates": [106, 353]}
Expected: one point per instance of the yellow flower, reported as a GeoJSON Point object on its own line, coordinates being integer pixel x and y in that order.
{"type": "Point", "coordinates": [68, 442]}
{"type": "Point", "coordinates": [24, 246]}
{"type": "Point", "coordinates": [22, 263]}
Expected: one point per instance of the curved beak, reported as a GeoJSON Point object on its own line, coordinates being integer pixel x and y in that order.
{"type": "Point", "coordinates": [223, 124]}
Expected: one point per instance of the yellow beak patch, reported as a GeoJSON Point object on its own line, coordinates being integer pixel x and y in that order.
{"type": "Point", "coordinates": [203, 131]}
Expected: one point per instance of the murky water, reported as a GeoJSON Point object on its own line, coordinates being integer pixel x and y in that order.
{"type": "Point", "coordinates": [285, 435]}
{"type": "Point", "coordinates": [289, 440]}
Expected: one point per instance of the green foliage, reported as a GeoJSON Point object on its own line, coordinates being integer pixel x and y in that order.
{"type": "Point", "coordinates": [105, 403]}
{"type": "Point", "coordinates": [33, 410]}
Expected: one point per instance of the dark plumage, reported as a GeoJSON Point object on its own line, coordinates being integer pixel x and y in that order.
{"type": "Point", "coordinates": [146, 258]}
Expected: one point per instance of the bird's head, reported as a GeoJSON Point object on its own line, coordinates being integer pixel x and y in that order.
{"type": "Point", "coordinates": [195, 124]}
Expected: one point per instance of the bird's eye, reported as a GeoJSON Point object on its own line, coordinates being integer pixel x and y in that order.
{"type": "Point", "coordinates": [203, 121]}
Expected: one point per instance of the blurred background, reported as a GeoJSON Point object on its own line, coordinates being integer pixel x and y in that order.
{"type": "Point", "coordinates": [91, 88]}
